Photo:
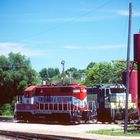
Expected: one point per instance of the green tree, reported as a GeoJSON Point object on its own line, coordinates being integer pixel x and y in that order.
{"type": "Point", "coordinates": [73, 75]}
{"type": "Point", "coordinates": [100, 73]}
{"type": "Point", "coordinates": [105, 72]}
{"type": "Point", "coordinates": [53, 72]}
{"type": "Point", "coordinates": [73, 72]}
{"type": "Point", "coordinates": [6, 110]}
{"type": "Point", "coordinates": [90, 65]}
{"type": "Point", "coordinates": [16, 73]}
{"type": "Point", "coordinates": [119, 67]}
{"type": "Point", "coordinates": [49, 74]}
{"type": "Point", "coordinates": [57, 79]}
{"type": "Point", "coordinates": [4, 63]}
{"type": "Point", "coordinates": [44, 74]}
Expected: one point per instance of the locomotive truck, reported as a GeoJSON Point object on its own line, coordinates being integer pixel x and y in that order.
{"type": "Point", "coordinates": [55, 103]}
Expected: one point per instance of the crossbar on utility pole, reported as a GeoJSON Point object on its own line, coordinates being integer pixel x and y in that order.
{"type": "Point", "coordinates": [128, 69]}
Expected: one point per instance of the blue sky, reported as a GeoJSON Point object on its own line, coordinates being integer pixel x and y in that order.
{"type": "Point", "coordinates": [77, 31]}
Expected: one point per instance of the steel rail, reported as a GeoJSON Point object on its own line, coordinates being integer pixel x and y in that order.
{"type": "Point", "coordinates": [35, 136]}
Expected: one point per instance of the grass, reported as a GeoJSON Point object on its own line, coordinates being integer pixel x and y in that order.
{"type": "Point", "coordinates": [116, 132]}
{"type": "Point", "coordinates": [6, 117]}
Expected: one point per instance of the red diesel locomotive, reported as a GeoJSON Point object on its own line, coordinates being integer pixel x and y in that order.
{"type": "Point", "coordinates": [55, 103]}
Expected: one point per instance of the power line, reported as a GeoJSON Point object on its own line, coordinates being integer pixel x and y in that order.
{"type": "Point", "coordinates": [72, 21]}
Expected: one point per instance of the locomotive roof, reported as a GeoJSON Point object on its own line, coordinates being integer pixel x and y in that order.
{"type": "Point", "coordinates": [30, 88]}
{"type": "Point", "coordinates": [61, 86]}
{"type": "Point", "coordinates": [103, 86]}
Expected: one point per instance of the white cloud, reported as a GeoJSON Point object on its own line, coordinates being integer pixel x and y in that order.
{"type": "Point", "coordinates": [64, 20]}
{"type": "Point", "coordinates": [102, 47]}
{"type": "Point", "coordinates": [7, 47]}
{"type": "Point", "coordinates": [81, 18]}
{"type": "Point", "coordinates": [72, 47]}
{"type": "Point", "coordinates": [123, 12]}
{"type": "Point", "coordinates": [126, 13]}
{"type": "Point", "coordinates": [106, 47]}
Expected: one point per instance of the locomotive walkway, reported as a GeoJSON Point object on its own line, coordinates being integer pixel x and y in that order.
{"type": "Point", "coordinates": [59, 132]}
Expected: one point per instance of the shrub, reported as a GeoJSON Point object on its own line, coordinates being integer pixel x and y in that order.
{"type": "Point", "coordinates": [6, 110]}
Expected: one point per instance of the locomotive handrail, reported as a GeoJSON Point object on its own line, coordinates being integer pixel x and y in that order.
{"type": "Point", "coordinates": [57, 106]}
{"type": "Point", "coordinates": [68, 106]}
{"type": "Point", "coordinates": [39, 107]}
{"type": "Point", "coordinates": [52, 106]}
{"type": "Point", "coordinates": [49, 106]}
{"type": "Point", "coordinates": [62, 106]}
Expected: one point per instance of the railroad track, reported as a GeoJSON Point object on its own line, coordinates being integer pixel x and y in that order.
{"type": "Point", "coordinates": [10, 130]}
{"type": "Point", "coordinates": [34, 136]}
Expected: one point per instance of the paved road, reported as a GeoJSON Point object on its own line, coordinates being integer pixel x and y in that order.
{"type": "Point", "coordinates": [67, 130]}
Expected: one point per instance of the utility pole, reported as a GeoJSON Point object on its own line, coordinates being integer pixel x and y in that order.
{"type": "Point", "coordinates": [128, 69]}
{"type": "Point", "coordinates": [63, 70]}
